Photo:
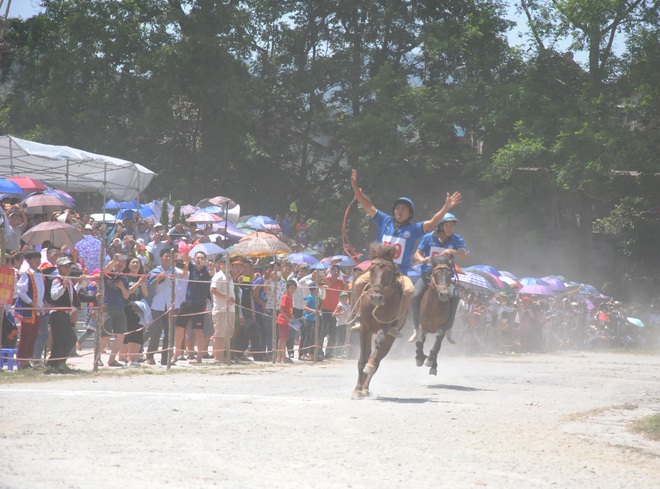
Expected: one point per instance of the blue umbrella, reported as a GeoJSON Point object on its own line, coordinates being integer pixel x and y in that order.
{"type": "Point", "coordinates": [113, 205]}
{"type": "Point", "coordinates": [485, 268]}
{"type": "Point", "coordinates": [212, 209]}
{"type": "Point", "coordinates": [265, 222]}
{"type": "Point", "coordinates": [145, 211]}
{"type": "Point", "coordinates": [475, 282]}
{"type": "Point", "coordinates": [302, 258]}
{"type": "Point", "coordinates": [319, 266]}
{"type": "Point", "coordinates": [587, 289]}
{"type": "Point", "coordinates": [9, 187]}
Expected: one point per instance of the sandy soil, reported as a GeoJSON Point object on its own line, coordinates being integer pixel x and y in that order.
{"type": "Point", "coordinates": [532, 421]}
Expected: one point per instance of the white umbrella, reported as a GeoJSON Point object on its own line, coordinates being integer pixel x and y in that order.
{"type": "Point", "coordinates": [103, 217]}
{"type": "Point", "coordinates": [211, 250]}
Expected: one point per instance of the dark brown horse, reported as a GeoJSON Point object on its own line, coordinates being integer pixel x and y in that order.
{"type": "Point", "coordinates": [379, 308]}
{"type": "Point", "coordinates": [434, 313]}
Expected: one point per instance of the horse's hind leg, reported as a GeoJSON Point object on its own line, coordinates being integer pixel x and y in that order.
{"type": "Point", "coordinates": [419, 350]}
{"type": "Point", "coordinates": [432, 360]}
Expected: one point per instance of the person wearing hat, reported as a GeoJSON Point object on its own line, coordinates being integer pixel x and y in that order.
{"type": "Point", "coordinates": [63, 317]}
{"type": "Point", "coordinates": [30, 289]}
{"type": "Point", "coordinates": [441, 242]}
{"type": "Point", "coordinates": [399, 231]}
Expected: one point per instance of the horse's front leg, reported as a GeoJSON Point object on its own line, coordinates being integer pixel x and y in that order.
{"type": "Point", "coordinates": [384, 343]}
{"type": "Point", "coordinates": [432, 360]}
{"type": "Point", "coordinates": [365, 353]}
{"type": "Point", "coordinates": [419, 348]}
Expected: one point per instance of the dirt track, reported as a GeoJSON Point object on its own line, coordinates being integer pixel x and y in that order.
{"type": "Point", "coordinates": [495, 422]}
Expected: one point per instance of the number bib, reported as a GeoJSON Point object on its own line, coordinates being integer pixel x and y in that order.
{"type": "Point", "coordinates": [436, 251]}
{"type": "Point", "coordinates": [399, 245]}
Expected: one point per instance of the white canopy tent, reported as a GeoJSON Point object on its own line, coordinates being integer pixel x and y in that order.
{"type": "Point", "coordinates": [73, 170]}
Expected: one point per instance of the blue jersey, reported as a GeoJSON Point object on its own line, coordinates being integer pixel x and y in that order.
{"type": "Point", "coordinates": [430, 246]}
{"type": "Point", "coordinates": [403, 239]}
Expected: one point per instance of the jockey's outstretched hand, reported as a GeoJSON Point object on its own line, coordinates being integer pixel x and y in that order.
{"type": "Point", "coordinates": [453, 199]}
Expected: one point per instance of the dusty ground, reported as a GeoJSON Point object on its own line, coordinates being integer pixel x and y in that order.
{"type": "Point", "coordinates": [528, 422]}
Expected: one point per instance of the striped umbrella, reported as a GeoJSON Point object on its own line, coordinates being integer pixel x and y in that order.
{"type": "Point", "coordinates": [475, 283]}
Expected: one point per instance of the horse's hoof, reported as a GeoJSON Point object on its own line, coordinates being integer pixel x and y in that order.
{"type": "Point", "coordinates": [428, 362]}
{"type": "Point", "coordinates": [365, 393]}
{"type": "Point", "coordinates": [357, 395]}
{"type": "Point", "coordinates": [433, 371]}
{"type": "Point", "coordinates": [369, 369]}
{"type": "Point", "coordinates": [419, 362]}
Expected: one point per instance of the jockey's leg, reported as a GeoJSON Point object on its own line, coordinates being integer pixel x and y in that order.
{"type": "Point", "coordinates": [420, 288]}
{"type": "Point", "coordinates": [358, 288]}
{"type": "Point", "coordinates": [408, 292]}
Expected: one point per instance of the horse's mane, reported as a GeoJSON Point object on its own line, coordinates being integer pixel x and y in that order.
{"type": "Point", "coordinates": [381, 251]}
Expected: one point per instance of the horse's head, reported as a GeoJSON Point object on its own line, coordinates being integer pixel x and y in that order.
{"type": "Point", "coordinates": [441, 277]}
{"type": "Point", "coordinates": [382, 272]}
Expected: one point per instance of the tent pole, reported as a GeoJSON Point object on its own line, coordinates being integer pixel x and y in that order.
{"type": "Point", "coordinates": [11, 156]}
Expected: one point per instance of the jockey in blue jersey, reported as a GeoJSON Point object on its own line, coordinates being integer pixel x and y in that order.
{"type": "Point", "coordinates": [399, 231]}
{"type": "Point", "coordinates": [442, 242]}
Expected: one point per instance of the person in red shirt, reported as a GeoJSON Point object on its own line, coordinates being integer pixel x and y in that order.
{"type": "Point", "coordinates": [286, 312]}
{"type": "Point", "coordinates": [333, 286]}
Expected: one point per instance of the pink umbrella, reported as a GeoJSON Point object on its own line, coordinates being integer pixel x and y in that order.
{"type": "Point", "coordinates": [364, 266]}
{"type": "Point", "coordinates": [204, 217]}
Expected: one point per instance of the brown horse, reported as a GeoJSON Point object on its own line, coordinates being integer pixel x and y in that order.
{"type": "Point", "coordinates": [379, 306]}
{"type": "Point", "coordinates": [434, 312]}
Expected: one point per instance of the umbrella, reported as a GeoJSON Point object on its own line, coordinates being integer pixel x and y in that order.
{"type": "Point", "coordinates": [319, 266]}
{"type": "Point", "coordinates": [475, 282]}
{"type": "Point", "coordinates": [485, 268]}
{"type": "Point", "coordinates": [43, 204]}
{"type": "Point", "coordinates": [364, 266]}
{"type": "Point", "coordinates": [587, 289]}
{"type": "Point", "coordinates": [504, 273]}
{"type": "Point", "coordinates": [343, 261]}
{"type": "Point", "coordinates": [144, 209]}
{"type": "Point", "coordinates": [218, 201]}
{"type": "Point", "coordinates": [533, 281]}
{"type": "Point", "coordinates": [204, 217]}
{"type": "Point", "coordinates": [265, 222]}
{"type": "Point", "coordinates": [492, 279]}
{"type": "Point", "coordinates": [302, 257]}
{"type": "Point", "coordinates": [555, 284]}
{"type": "Point", "coordinates": [258, 234]}
{"type": "Point", "coordinates": [59, 233]}
{"type": "Point", "coordinates": [103, 217]}
{"type": "Point", "coordinates": [211, 209]}
{"type": "Point", "coordinates": [535, 289]}
{"type": "Point", "coordinates": [113, 205]}
{"type": "Point", "coordinates": [590, 305]}
{"type": "Point", "coordinates": [29, 185]}
{"type": "Point", "coordinates": [209, 249]}
{"type": "Point", "coordinates": [232, 232]}
{"type": "Point", "coordinates": [9, 187]}
{"type": "Point", "coordinates": [511, 282]}
{"type": "Point", "coordinates": [259, 248]}
{"type": "Point", "coordinates": [62, 195]}
{"type": "Point", "coordinates": [636, 322]}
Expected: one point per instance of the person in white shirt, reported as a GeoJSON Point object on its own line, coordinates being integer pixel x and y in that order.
{"type": "Point", "coordinates": [224, 308]}
{"type": "Point", "coordinates": [30, 290]}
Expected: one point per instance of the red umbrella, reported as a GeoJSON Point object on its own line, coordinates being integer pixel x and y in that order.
{"type": "Point", "coordinates": [28, 184]}
{"type": "Point", "coordinates": [364, 266]}
{"type": "Point", "coordinates": [43, 204]}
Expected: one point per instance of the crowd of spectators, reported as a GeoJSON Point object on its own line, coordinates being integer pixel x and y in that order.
{"type": "Point", "coordinates": [148, 273]}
